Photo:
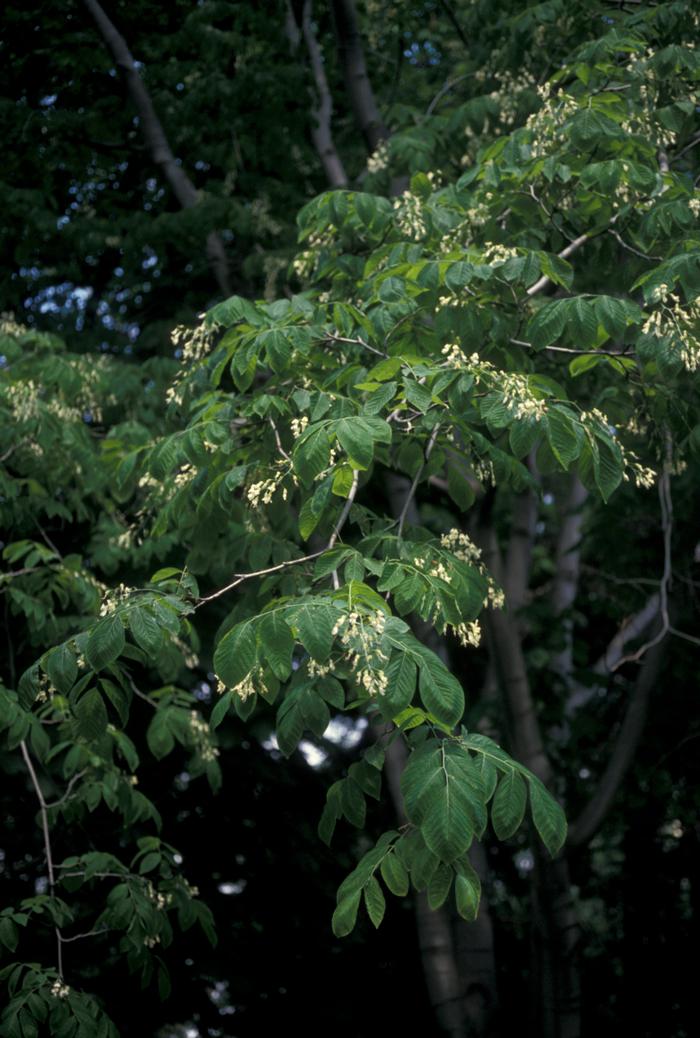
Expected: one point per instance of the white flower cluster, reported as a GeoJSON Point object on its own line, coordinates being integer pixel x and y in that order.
{"type": "Point", "coordinates": [694, 205]}
{"type": "Point", "coordinates": [547, 123]}
{"type": "Point", "coordinates": [265, 489]}
{"type": "Point", "coordinates": [410, 219]}
{"type": "Point", "coordinates": [455, 357]}
{"type": "Point", "coordinates": [510, 85]}
{"type": "Point", "coordinates": [320, 670]}
{"type": "Point", "coordinates": [298, 425]}
{"type": "Point", "coordinates": [161, 901]}
{"type": "Point", "coordinates": [253, 682]}
{"type": "Point", "coordinates": [361, 638]}
{"type": "Point", "coordinates": [462, 547]}
{"type": "Point", "coordinates": [202, 737]}
{"type": "Point", "coordinates": [193, 342]}
{"type": "Point", "coordinates": [379, 159]}
{"type": "Point", "coordinates": [46, 689]}
{"type": "Point", "coordinates": [23, 400]}
{"type": "Point", "coordinates": [519, 399]}
{"type": "Point", "coordinates": [59, 989]}
{"type": "Point", "coordinates": [185, 475]}
{"type": "Point", "coordinates": [495, 254]}
{"type": "Point", "coordinates": [467, 633]}
{"type": "Point", "coordinates": [114, 597]}
{"type": "Point", "coordinates": [677, 324]}
{"type": "Point", "coordinates": [303, 264]}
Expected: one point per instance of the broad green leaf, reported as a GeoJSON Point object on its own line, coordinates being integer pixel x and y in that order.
{"type": "Point", "coordinates": [91, 715]}
{"type": "Point", "coordinates": [276, 644]}
{"type": "Point", "coordinates": [549, 818]}
{"type": "Point", "coordinates": [508, 805]}
{"type": "Point", "coordinates": [314, 624]}
{"type": "Point", "coordinates": [467, 891]}
{"type": "Point", "coordinates": [345, 915]}
{"type": "Point", "coordinates": [356, 441]}
{"type": "Point", "coordinates": [235, 655]}
{"type": "Point", "coordinates": [145, 629]}
{"type": "Point", "coordinates": [395, 875]}
{"type": "Point", "coordinates": [374, 901]}
{"type": "Point", "coordinates": [439, 886]}
{"type": "Point", "coordinates": [441, 693]}
{"type": "Point", "coordinates": [105, 642]}
{"type": "Point", "coordinates": [62, 667]}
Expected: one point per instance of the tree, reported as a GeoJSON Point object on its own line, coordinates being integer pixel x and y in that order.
{"type": "Point", "coordinates": [365, 477]}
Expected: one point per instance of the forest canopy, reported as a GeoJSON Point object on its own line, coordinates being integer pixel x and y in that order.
{"type": "Point", "coordinates": [348, 471]}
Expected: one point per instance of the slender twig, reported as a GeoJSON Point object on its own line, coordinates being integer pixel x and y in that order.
{"type": "Point", "coordinates": [47, 845]}
{"type": "Point", "coordinates": [416, 479]}
{"type": "Point", "coordinates": [631, 248]}
{"type": "Point", "coordinates": [239, 578]}
{"type": "Point", "coordinates": [445, 89]}
{"type": "Point", "coordinates": [76, 778]}
{"type": "Point", "coordinates": [342, 520]}
{"type": "Point", "coordinates": [89, 933]}
{"type": "Point", "coordinates": [280, 448]}
{"type": "Point", "coordinates": [566, 349]}
{"type": "Point", "coordinates": [357, 342]}
{"type": "Point", "coordinates": [691, 144]}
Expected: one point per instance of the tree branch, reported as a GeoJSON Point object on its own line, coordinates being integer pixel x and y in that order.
{"type": "Point", "coordinates": [595, 811]}
{"type": "Point", "coordinates": [570, 248]}
{"type": "Point", "coordinates": [416, 479]}
{"type": "Point", "coordinates": [156, 139]}
{"type": "Point", "coordinates": [47, 846]}
{"type": "Point", "coordinates": [357, 83]}
{"type": "Point", "coordinates": [321, 131]}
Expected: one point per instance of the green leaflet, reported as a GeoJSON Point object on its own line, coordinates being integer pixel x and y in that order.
{"type": "Point", "coordinates": [508, 805]}
{"type": "Point", "coordinates": [105, 642]}
{"type": "Point", "coordinates": [441, 693]}
{"type": "Point", "coordinates": [235, 655]}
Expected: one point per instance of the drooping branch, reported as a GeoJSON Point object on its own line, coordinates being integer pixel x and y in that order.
{"type": "Point", "coordinates": [624, 749]}
{"type": "Point", "coordinates": [155, 137]}
{"type": "Point", "coordinates": [357, 82]}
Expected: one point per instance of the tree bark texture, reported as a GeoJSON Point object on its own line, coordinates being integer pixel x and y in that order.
{"type": "Point", "coordinates": [156, 140]}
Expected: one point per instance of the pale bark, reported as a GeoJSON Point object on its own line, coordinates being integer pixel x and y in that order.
{"type": "Point", "coordinates": [567, 561]}
{"type": "Point", "coordinates": [155, 137]}
{"type": "Point", "coordinates": [322, 111]}
{"type": "Point", "coordinates": [357, 82]}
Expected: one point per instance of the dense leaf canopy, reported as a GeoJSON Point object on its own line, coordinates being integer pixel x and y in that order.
{"type": "Point", "coordinates": [347, 471]}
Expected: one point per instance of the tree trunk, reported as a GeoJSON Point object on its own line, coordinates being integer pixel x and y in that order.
{"type": "Point", "coordinates": [156, 139]}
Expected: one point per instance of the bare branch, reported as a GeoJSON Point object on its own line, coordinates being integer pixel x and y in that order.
{"type": "Point", "coordinates": [47, 845]}
{"type": "Point", "coordinates": [240, 578]}
{"type": "Point", "coordinates": [343, 519]}
{"type": "Point", "coordinates": [155, 137]}
{"type": "Point", "coordinates": [416, 479]}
